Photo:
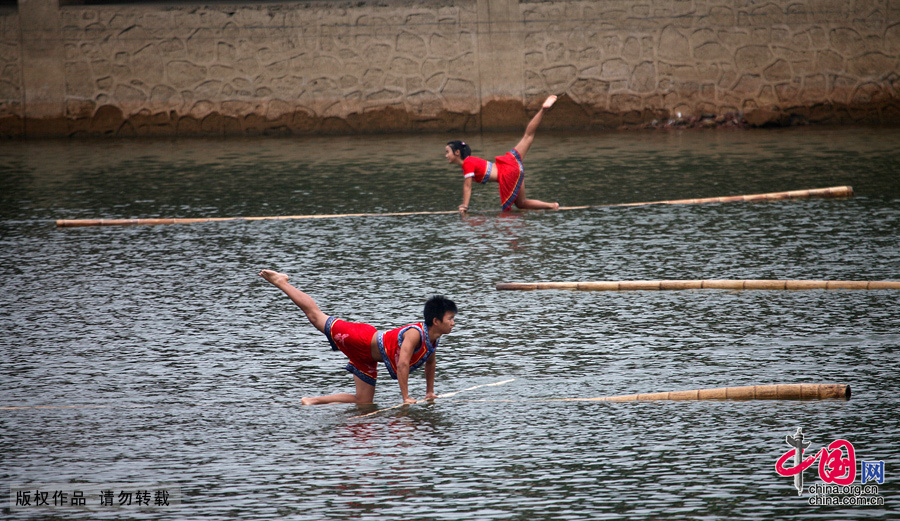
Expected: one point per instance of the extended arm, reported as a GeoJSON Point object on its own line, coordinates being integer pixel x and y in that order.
{"type": "Point", "coordinates": [467, 194]}
{"type": "Point", "coordinates": [411, 339]}
{"type": "Point", "coordinates": [430, 365]}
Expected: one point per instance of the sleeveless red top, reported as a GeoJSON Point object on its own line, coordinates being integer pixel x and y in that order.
{"type": "Point", "coordinates": [389, 344]}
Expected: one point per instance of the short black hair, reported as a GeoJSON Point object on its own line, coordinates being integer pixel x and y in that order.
{"type": "Point", "coordinates": [436, 307]}
{"type": "Point", "coordinates": [461, 147]}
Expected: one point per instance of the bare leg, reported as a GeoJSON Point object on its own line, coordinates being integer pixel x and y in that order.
{"type": "Point", "coordinates": [365, 393]}
{"type": "Point", "coordinates": [522, 147]}
{"type": "Point", "coordinates": [530, 130]}
{"type": "Point", "coordinates": [315, 315]}
{"type": "Point", "coordinates": [532, 204]}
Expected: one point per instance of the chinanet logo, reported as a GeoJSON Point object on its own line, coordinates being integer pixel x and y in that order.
{"type": "Point", "coordinates": [837, 469]}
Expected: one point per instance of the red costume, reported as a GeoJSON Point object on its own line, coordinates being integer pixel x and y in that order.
{"type": "Point", "coordinates": [389, 344]}
{"type": "Point", "coordinates": [510, 174]}
{"type": "Point", "coordinates": [355, 340]}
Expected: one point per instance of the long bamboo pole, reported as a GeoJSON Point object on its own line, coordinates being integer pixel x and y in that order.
{"type": "Point", "coordinates": [131, 222]}
{"type": "Point", "coordinates": [833, 192]}
{"type": "Point", "coordinates": [445, 395]}
{"type": "Point", "coordinates": [665, 285]}
{"type": "Point", "coordinates": [750, 392]}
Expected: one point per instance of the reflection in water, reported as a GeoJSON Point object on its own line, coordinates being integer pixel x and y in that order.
{"type": "Point", "coordinates": [174, 319]}
{"type": "Point", "coordinates": [504, 224]}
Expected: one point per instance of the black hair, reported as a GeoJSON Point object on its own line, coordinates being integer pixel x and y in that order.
{"type": "Point", "coordinates": [436, 307]}
{"type": "Point", "coordinates": [461, 147]}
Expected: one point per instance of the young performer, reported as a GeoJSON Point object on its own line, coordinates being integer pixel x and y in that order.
{"type": "Point", "coordinates": [507, 170]}
{"type": "Point", "coordinates": [402, 350]}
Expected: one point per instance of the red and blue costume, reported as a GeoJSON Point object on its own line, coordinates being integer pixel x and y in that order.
{"type": "Point", "coordinates": [510, 174]}
{"type": "Point", "coordinates": [355, 340]}
{"type": "Point", "coordinates": [389, 344]}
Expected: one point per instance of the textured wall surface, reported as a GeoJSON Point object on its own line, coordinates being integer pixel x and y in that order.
{"type": "Point", "coordinates": [821, 60]}
{"type": "Point", "coordinates": [11, 94]}
{"type": "Point", "coordinates": [402, 65]}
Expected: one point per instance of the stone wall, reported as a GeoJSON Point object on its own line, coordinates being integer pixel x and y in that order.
{"type": "Point", "coordinates": [440, 65]}
{"type": "Point", "coordinates": [777, 61]}
{"type": "Point", "coordinates": [12, 102]}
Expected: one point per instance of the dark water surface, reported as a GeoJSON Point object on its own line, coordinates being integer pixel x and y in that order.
{"type": "Point", "coordinates": [158, 355]}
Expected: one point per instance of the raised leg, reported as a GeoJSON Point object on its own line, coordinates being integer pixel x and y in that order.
{"type": "Point", "coordinates": [315, 315]}
{"type": "Point", "coordinates": [530, 130]}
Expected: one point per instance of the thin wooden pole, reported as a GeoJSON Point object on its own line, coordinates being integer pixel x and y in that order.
{"type": "Point", "coordinates": [133, 222]}
{"type": "Point", "coordinates": [445, 395]}
{"type": "Point", "coordinates": [667, 285]}
{"type": "Point", "coordinates": [833, 192]}
{"type": "Point", "coordinates": [750, 392]}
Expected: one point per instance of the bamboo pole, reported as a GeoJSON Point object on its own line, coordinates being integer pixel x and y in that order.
{"type": "Point", "coordinates": [833, 192]}
{"type": "Point", "coordinates": [751, 392]}
{"type": "Point", "coordinates": [445, 395]}
{"type": "Point", "coordinates": [131, 222]}
{"type": "Point", "coordinates": [666, 285]}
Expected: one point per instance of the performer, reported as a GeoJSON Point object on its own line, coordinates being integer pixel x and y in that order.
{"type": "Point", "coordinates": [507, 170]}
{"type": "Point", "coordinates": [402, 350]}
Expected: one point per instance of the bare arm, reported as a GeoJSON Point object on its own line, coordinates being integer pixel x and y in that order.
{"type": "Point", "coordinates": [411, 339]}
{"type": "Point", "coordinates": [430, 365]}
{"type": "Point", "coordinates": [467, 194]}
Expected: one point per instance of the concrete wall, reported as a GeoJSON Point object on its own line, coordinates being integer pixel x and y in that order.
{"type": "Point", "coordinates": [436, 65]}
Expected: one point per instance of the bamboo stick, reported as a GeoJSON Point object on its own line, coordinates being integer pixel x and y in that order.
{"type": "Point", "coordinates": [751, 392]}
{"type": "Point", "coordinates": [667, 285]}
{"type": "Point", "coordinates": [722, 284]}
{"type": "Point", "coordinates": [444, 395]}
{"type": "Point", "coordinates": [835, 191]}
{"type": "Point", "coordinates": [130, 222]}
{"type": "Point", "coordinates": [831, 192]}
{"type": "Point", "coordinates": [680, 284]}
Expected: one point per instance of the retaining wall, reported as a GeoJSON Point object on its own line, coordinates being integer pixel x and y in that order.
{"type": "Point", "coordinates": [441, 65]}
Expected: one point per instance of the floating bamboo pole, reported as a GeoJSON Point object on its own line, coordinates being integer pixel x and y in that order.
{"type": "Point", "coordinates": [131, 222]}
{"type": "Point", "coordinates": [833, 192]}
{"type": "Point", "coordinates": [750, 392]}
{"type": "Point", "coordinates": [665, 285]}
{"type": "Point", "coordinates": [445, 395]}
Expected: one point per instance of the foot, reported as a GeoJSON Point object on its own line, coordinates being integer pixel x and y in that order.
{"type": "Point", "coordinates": [274, 277]}
{"type": "Point", "coordinates": [307, 401]}
{"type": "Point", "coordinates": [549, 102]}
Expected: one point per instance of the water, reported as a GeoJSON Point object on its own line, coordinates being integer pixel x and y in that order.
{"type": "Point", "coordinates": [164, 358]}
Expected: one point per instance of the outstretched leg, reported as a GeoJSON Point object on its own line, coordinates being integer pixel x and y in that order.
{"type": "Point", "coordinates": [526, 141]}
{"type": "Point", "coordinates": [315, 315]}
{"type": "Point", "coordinates": [522, 147]}
{"type": "Point", "coordinates": [365, 393]}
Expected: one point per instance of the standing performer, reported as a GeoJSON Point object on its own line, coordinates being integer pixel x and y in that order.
{"type": "Point", "coordinates": [507, 170]}
{"type": "Point", "coordinates": [402, 350]}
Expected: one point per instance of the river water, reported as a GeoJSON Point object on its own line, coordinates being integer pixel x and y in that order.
{"type": "Point", "coordinates": [155, 354]}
